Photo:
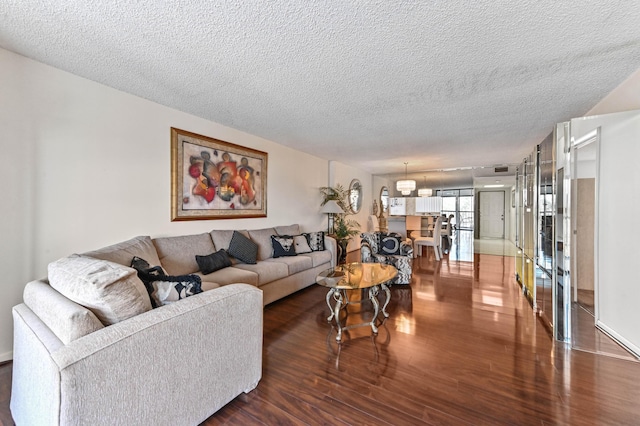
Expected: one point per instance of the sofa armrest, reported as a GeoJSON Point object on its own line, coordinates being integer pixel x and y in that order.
{"type": "Point", "coordinates": [331, 244]}
{"type": "Point", "coordinates": [366, 253]}
{"type": "Point", "coordinates": [406, 247]}
{"type": "Point", "coordinates": [203, 350]}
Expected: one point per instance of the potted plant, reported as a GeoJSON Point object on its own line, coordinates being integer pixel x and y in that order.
{"type": "Point", "coordinates": [343, 228]}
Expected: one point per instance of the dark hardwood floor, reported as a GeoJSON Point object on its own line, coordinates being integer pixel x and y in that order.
{"type": "Point", "coordinates": [5, 394]}
{"type": "Point", "coordinates": [461, 346]}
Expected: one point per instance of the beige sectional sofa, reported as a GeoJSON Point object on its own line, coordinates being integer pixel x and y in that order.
{"type": "Point", "coordinates": [113, 361]}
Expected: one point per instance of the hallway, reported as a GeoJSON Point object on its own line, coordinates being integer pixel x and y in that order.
{"type": "Point", "coordinates": [464, 246]}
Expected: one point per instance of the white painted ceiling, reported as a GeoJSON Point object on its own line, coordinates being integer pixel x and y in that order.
{"type": "Point", "coordinates": [370, 83]}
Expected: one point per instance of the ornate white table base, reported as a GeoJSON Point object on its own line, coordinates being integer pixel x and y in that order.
{"type": "Point", "coordinates": [342, 300]}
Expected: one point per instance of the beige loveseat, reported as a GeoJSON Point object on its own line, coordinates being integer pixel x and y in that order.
{"type": "Point", "coordinates": [176, 364]}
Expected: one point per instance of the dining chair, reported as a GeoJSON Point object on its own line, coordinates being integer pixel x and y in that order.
{"type": "Point", "coordinates": [446, 233]}
{"type": "Point", "coordinates": [430, 223]}
{"type": "Point", "coordinates": [434, 240]}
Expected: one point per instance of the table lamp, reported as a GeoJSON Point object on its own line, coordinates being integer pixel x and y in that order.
{"type": "Point", "coordinates": [331, 207]}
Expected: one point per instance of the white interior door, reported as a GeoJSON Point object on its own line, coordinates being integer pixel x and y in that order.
{"type": "Point", "coordinates": [491, 214]}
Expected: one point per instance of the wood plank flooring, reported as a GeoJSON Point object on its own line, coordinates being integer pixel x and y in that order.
{"type": "Point", "coordinates": [5, 394]}
{"type": "Point", "coordinates": [586, 337]}
{"type": "Point", "coordinates": [461, 346]}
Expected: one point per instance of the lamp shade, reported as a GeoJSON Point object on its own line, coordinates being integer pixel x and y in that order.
{"type": "Point", "coordinates": [406, 186]}
{"type": "Point", "coordinates": [331, 207]}
{"type": "Point", "coordinates": [425, 192]}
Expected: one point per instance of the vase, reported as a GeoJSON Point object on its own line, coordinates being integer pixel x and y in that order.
{"type": "Point", "coordinates": [342, 251]}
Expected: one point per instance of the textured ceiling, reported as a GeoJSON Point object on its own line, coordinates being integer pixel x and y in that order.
{"type": "Point", "coordinates": [370, 83]}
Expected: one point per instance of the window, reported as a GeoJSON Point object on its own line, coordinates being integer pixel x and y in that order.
{"type": "Point", "coordinates": [459, 203]}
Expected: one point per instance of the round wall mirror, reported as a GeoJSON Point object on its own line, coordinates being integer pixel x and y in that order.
{"type": "Point", "coordinates": [384, 199]}
{"type": "Point", "coordinates": [355, 196]}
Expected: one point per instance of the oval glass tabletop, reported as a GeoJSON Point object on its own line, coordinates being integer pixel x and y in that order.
{"type": "Point", "coordinates": [357, 275]}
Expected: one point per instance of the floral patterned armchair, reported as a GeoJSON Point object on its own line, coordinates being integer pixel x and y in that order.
{"type": "Point", "coordinates": [390, 249]}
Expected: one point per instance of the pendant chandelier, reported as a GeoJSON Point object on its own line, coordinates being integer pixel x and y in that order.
{"type": "Point", "coordinates": [425, 192]}
{"type": "Point", "coordinates": [407, 185]}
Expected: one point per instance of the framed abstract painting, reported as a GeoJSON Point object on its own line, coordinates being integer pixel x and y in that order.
{"type": "Point", "coordinates": [214, 179]}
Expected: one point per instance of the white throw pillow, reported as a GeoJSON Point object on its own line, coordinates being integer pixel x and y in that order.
{"type": "Point", "coordinates": [113, 292]}
{"type": "Point", "coordinates": [301, 243]}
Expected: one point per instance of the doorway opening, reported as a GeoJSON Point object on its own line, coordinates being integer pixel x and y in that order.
{"type": "Point", "coordinates": [585, 335]}
{"type": "Point", "coordinates": [491, 222]}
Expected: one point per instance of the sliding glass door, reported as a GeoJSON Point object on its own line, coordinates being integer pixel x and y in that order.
{"type": "Point", "coordinates": [459, 203]}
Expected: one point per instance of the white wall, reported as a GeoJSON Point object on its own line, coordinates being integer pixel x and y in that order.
{"type": "Point", "coordinates": [625, 97]}
{"type": "Point", "coordinates": [377, 182]}
{"type": "Point", "coordinates": [16, 196]}
{"type": "Point", "coordinates": [344, 174]}
{"type": "Point", "coordinates": [84, 165]}
{"type": "Point", "coordinates": [617, 249]}
{"type": "Point", "coordinates": [586, 169]}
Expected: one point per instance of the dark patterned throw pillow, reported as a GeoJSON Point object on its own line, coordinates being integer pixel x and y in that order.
{"type": "Point", "coordinates": [390, 243]}
{"type": "Point", "coordinates": [315, 240]}
{"type": "Point", "coordinates": [139, 264]}
{"type": "Point", "coordinates": [213, 262]}
{"type": "Point", "coordinates": [283, 246]}
{"type": "Point", "coordinates": [243, 249]}
{"type": "Point", "coordinates": [164, 289]}
{"type": "Point", "coordinates": [168, 288]}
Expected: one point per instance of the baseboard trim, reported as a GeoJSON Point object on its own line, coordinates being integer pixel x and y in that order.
{"type": "Point", "coordinates": [7, 356]}
{"type": "Point", "coordinates": [635, 351]}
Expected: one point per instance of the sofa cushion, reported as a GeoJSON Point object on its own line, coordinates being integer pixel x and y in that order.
{"type": "Point", "coordinates": [213, 262]}
{"type": "Point", "coordinates": [283, 246]}
{"type": "Point", "coordinates": [208, 285]}
{"type": "Point", "coordinates": [267, 271]}
{"type": "Point", "coordinates": [262, 237]}
{"type": "Point", "coordinates": [288, 230]}
{"type": "Point", "coordinates": [65, 318]}
{"type": "Point", "coordinates": [301, 243]}
{"type": "Point", "coordinates": [243, 249]}
{"type": "Point", "coordinates": [123, 252]}
{"type": "Point", "coordinates": [315, 240]}
{"type": "Point", "coordinates": [230, 275]}
{"type": "Point", "coordinates": [178, 254]}
{"type": "Point", "coordinates": [318, 257]}
{"type": "Point", "coordinates": [294, 263]}
{"type": "Point", "coordinates": [221, 239]}
{"type": "Point", "coordinates": [113, 292]}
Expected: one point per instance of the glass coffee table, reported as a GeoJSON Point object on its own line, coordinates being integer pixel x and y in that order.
{"type": "Point", "coordinates": [356, 276]}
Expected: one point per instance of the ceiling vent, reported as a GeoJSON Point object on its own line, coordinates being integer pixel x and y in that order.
{"type": "Point", "coordinates": [502, 169]}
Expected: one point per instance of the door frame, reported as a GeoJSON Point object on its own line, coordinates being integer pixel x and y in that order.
{"type": "Point", "coordinates": [592, 137]}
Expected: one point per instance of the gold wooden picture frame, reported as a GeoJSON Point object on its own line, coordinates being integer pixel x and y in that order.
{"type": "Point", "coordinates": [214, 179]}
